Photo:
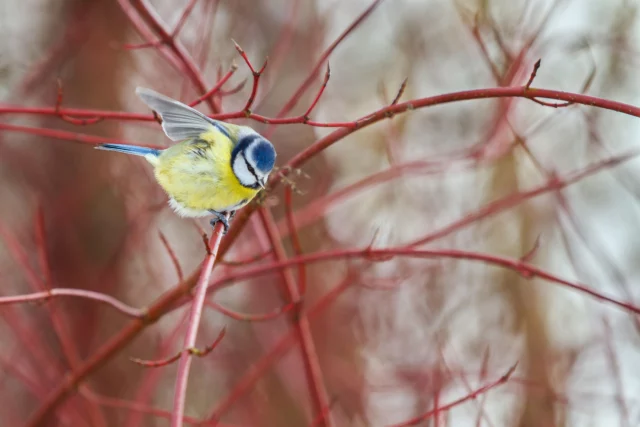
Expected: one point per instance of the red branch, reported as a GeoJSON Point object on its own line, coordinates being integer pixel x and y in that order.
{"type": "Point", "coordinates": [184, 363]}
{"type": "Point", "coordinates": [251, 376]}
{"type": "Point", "coordinates": [193, 351]}
{"type": "Point", "coordinates": [168, 39]}
{"type": "Point", "coordinates": [295, 239]}
{"type": "Point", "coordinates": [78, 293]}
{"type": "Point", "coordinates": [325, 55]}
{"type": "Point", "coordinates": [327, 75]}
{"type": "Point", "coordinates": [256, 79]}
{"type": "Point", "coordinates": [172, 255]}
{"type": "Point", "coordinates": [243, 317]}
{"type": "Point", "coordinates": [168, 300]}
{"type": "Point", "coordinates": [346, 128]}
{"type": "Point", "coordinates": [349, 126]}
{"type": "Point", "coordinates": [525, 269]}
{"type": "Point", "coordinates": [69, 136]}
{"type": "Point", "coordinates": [300, 322]}
{"type": "Point", "coordinates": [485, 388]}
{"type": "Point", "coordinates": [216, 88]}
{"type": "Point", "coordinates": [140, 407]}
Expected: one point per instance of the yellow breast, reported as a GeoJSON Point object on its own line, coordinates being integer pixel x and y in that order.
{"type": "Point", "coordinates": [197, 174]}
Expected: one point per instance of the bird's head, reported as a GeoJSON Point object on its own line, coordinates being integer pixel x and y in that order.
{"type": "Point", "coordinates": [252, 160]}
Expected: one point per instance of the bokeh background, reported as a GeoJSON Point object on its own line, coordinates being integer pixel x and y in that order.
{"type": "Point", "coordinates": [407, 335]}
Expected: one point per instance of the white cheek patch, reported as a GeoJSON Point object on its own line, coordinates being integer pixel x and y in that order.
{"type": "Point", "coordinates": [241, 170]}
{"type": "Point", "coordinates": [249, 158]}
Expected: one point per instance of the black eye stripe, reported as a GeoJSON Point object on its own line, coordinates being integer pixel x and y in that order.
{"type": "Point", "coordinates": [251, 169]}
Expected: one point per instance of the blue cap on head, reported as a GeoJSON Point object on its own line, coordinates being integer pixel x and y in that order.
{"type": "Point", "coordinates": [258, 151]}
{"type": "Point", "coordinates": [264, 155]}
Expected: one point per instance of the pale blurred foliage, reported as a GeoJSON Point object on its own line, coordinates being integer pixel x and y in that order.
{"type": "Point", "coordinates": [447, 318]}
{"type": "Point", "coordinates": [386, 354]}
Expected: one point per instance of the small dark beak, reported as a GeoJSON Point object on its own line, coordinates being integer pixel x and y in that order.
{"type": "Point", "coordinates": [262, 184]}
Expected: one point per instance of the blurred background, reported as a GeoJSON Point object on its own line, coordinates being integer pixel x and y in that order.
{"type": "Point", "coordinates": [402, 336]}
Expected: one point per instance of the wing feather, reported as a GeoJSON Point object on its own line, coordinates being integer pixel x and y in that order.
{"type": "Point", "coordinates": [179, 121]}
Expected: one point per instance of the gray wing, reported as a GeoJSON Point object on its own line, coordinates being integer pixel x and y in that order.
{"type": "Point", "coordinates": [179, 121]}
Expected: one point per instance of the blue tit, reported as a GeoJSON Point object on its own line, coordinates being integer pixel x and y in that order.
{"type": "Point", "coordinates": [215, 168]}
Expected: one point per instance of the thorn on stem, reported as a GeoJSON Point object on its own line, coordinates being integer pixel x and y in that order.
{"type": "Point", "coordinates": [238, 48]}
{"type": "Point", "coordinates": [533, 74]}
{"type": "Point", "coordinates": [266, 60]}
{"type": "Point", "coordinates": [403, 86]}
{"type": "Point", "coordinates": [205, 240]}
{"type": "Point", "coordinates": [325, 81]}
{"type": "Point", "coordinates": [531, 253]}
{"type": "Point", "coordinates": [510, 372]}
{"type": "Point", "coordinates": [234, 90]}
{"type": "Point", "coordinates": [376, 232]}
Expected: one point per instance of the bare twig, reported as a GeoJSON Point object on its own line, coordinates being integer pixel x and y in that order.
{"type": "Point", "coordinates": [192, 351]}
{"type": "Point", "coordinates": [485, 388]}
{"type": "Point", "coordinates": [184, 363]}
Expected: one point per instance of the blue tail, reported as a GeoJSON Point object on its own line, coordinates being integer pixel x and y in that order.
{"type": "Point", "coordinates": [129, 149]}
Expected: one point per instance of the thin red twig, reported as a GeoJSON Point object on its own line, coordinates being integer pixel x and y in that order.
{"type": "Point", "coordinates": [168, 39]}
{"type": "Point", "coordinates": [183, 18]}
{"type": "Point", "coordinates": [215, 89]}
{"type": "Point", "coordinates": [69, 119]}
{"type": "Point", "coordinates": [68, 136]}
{"type": "Point", "coordinates": [140, 407]}
{"type": "Point", "coordinates": [176, 30]}
{"type": "Point", "coordinates": [78, 293]}
{"type": "Point", "coordinates": [323, 57]}
{"type": "Point", "coordinates": [172, 255]}
{"type": "Point", "coordinates": [534, 72]}
{"type": "Point", "coordinates": [401, 89]}
{"type": "Point", "coordinates": [319, 420]}
{"type": "Point", "coordinates": [282, 47]}
{"type": "Point", "coordinates": [614, 364]}
{"type": "Point", "coordinates": [327, 75]}
{"type": "Point", "coordinates": [485, 388]}
{"type": "Point", "coordinates": [246, 261]}
{"type": "Point", "coordinates": [277, 351]}
{"type": "Point", "coordinates": [193, 351]}
{"type": "Point", "coordinates": [346, 127]}
{"type": "Point", "coordinates": [526, 270]}
{"type": "Point", "coordinates": [67, 343]}
{"type": "Point", "coordinates": [148, 385]}
{"type": "Point", "coordinates": [514, 199]}
{"type": "Point", "coordinates": [233, 90]}
{"type": "Point", "coordinates": [184, 364]}
{"type": "Point", "coordinates": [295, 239]}
{"type": "Point", "coordinates": [250, 317]}
{"type": "Point", "coordinates": [301, 324]}
{"type": "Point", "coordinates": [256, 79]}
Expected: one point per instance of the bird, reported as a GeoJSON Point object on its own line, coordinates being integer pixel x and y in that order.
{"type": "Point", "coordinates": [214, 169]}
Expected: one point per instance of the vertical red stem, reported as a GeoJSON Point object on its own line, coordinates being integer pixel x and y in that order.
{"type": "Point", "coordinates": [184, 364]}
{"type": "Point", "coordinates": [310, 356]}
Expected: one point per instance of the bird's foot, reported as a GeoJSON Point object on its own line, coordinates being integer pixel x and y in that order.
{"type": "Point", "coordinates": [221, 217]}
